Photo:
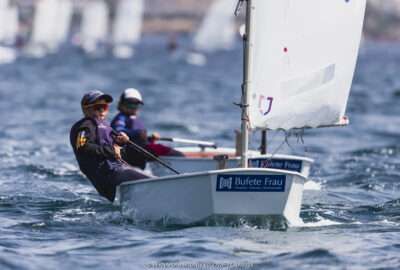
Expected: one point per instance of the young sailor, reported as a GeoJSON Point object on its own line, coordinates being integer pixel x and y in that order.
{"type": "Point", "coordinates": [97, 150]}
{"type": "Point", "coordinates": [128, 122]}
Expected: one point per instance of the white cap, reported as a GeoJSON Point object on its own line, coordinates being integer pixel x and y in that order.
{"type": "Point", "coordinates": [131, 94]}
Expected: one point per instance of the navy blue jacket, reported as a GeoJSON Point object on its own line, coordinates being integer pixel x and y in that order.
{"type": "Point", "coordinates": [133, 127]}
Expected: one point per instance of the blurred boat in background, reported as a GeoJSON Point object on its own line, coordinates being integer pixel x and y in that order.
{"type": "Point", "coordinates": [127, 27]}
{"type": "Point", "coordinates": [50, 27]}
{"type": "Point", "coordinates": [216, 32]}
{"type": "Point", "coordinates": [94, 27]}
{"type": "Point", "coordinates": [115, 26]}
{"type": "Point", "coordinates": [198, 159]}
{"type": "Point", "coordinates": [8, 32]}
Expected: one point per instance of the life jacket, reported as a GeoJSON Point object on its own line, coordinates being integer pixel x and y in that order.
{"type": "Point", "coordinates": [131, 123]}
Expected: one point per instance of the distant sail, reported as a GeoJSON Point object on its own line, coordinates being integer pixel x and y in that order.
{"type": "Point", "coordinates": [4, 4]}
{"type": "Point", "coordinates": [8, 31]}
{"type": "Point", "coordinates": [9, 24]}
{"type": "Point", "coordinates": [128, 22]}
{"type": "Point", "coordinates": [65, 9]}
{"type": "Point", "coordinates": [45, 24]}
{"type": "Point", "coordinates": [94, 27]}
{"type": "Point", "coordinates": [303, 61]}
{"type": "Point", "coordinates": [216, 31]}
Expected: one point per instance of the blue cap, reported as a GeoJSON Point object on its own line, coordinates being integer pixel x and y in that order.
{"type": "Point", "coordinates": [92, 96]}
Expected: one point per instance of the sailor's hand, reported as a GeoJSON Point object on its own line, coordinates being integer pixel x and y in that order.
{"type": "Point", "coordinates": [117, 150]}
{"type": "Point", "coordinates": [155, 136]}
{"type": "Point", "coordinates": [144, 135]}
{"type": "Point", "coordinates": [122, 138]}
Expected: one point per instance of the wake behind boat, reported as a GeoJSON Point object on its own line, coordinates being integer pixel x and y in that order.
{"type": "Point", "coordinates": [299, 61]}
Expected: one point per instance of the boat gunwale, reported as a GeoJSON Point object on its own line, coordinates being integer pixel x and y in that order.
{"type": "Point", "coordinates": [278, 156]}
{"type": "Point", "coordinates": [184, 175]}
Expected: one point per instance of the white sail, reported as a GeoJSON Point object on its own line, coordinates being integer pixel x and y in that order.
{"type": "Point", "coordinates": [45, 23]}
{"type": "Point", "coordinates": [216, 30]}
{"type": "Point", "coordinates": [3, 18]}
{"type": "Point", "coordinates": [128, 22]}
{"type": "Point", "coordinates": [94, 28]}
{"type": "Point", "coordinates": [7, 55]}
{"type": "Point", "coordinates": [303, 61]}
{"type": "Point", "coordinates": [65, 9]}
{"type": "Point", "coordinates": [3, 4]}
{"type": "Point", "coordinates": [8, 31]}
{"type": "Point", "coordinates": [10, 25]}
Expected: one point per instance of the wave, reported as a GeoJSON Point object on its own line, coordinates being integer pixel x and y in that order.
{"type": "Point", "coordinates": [6, 263]}
{"type": "Point", "coordinates": [271, 223]}
{"type": "Point", "coordinates": [317, 253]}
{"type": "Point", "coordinates": [311, 185]}
{"type": "Point", "coordinates": [321, 222]}
{"type": "Point", "coordinates": [396, 93]}
{"type": "Point", "coordinates": [192, 129]}
{"type": "Point", "coordinates": [42, 171]}
{"type": "Point", "coordinates": [387, 213]}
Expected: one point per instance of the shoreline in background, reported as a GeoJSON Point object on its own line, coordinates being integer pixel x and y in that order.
{"type": "Point", "coordinates": [382, 18]}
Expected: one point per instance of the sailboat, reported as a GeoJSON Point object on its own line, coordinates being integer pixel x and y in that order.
{"type": "Point", "coordinates": [127, 27]}
{"type": "Point", "coordinates": [44, 30]}
{"type": "Point", "coordinates": [216, 32]}
{"type": "Point", "coordinates": [65, 10]}
{"type": "Point", "coordinates": [8, 32]}
{"type": "Point", "coordinates": [94, 26]}
{"type": "Point", "coordinates": [299, 62]}
{"type": "Point", "coordinates": [50, 27]}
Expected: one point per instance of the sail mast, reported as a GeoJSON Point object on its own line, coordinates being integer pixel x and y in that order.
{"type": "Point", "coordinates": [246, 83]}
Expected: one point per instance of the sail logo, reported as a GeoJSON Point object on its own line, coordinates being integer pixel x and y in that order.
{"type": "Point", "coordinates": [225, 183]}
{"type": "Point", "coordinates": [265, 104]}
{"type": "Point", "coordinates": [251, 183]}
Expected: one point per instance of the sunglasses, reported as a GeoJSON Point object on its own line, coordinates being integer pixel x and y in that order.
{"type": "Point", "coordinates": [98, 106]}
{"type": "Point", "coordinates": [133, 106]}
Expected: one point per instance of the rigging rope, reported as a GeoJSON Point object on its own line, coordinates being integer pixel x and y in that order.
{"type": "Point", "coordinates": [123, 162]}
{"type": "Point", "coordinates": [288, 134]}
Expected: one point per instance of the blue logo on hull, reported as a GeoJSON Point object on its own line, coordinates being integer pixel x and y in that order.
{"type": "Point", "coordinates": [251, 183]}
{"type": "Point", "coordinates": [281, 164]}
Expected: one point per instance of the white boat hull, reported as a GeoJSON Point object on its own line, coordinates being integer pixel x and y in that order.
{"type": "Point", "coordinates": [196, 59]}
{"type": "Point", "coordinates": [7, 55]}
{"type": "Point", "coordinates": [194, 197]}
{"type": "Point", "coordinates": [206, 163]}
{"type": "Point", "coordinates": [123, 51]}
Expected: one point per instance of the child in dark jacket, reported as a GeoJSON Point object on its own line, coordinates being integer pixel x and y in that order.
{"type": "Point", "coordinates": [97, 150]}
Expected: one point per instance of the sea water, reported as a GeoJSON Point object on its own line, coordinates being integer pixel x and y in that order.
{"type": "Point", "coordinates": [52, 218]}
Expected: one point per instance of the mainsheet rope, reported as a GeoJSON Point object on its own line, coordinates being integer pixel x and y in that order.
{"type": "Point", "coordinates": [288, 134]}
{"type": "Point", "coordinates": [123, 162]}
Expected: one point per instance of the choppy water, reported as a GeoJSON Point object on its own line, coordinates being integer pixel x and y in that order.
{"type": "Point", "coordinates": [52, 218]}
